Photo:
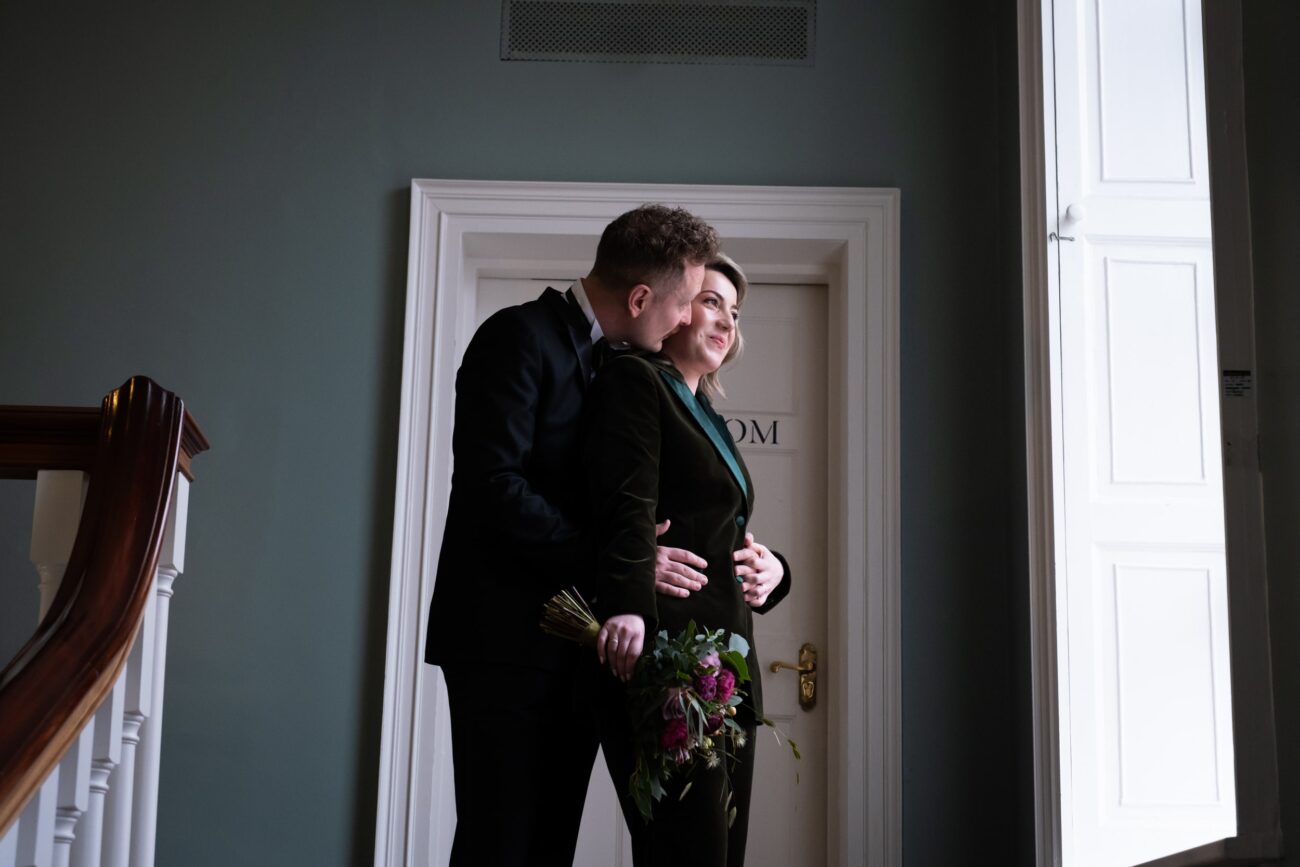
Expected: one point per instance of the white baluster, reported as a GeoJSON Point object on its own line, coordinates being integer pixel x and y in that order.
{"type": "Point", "coordinates": [74, 793]}
{"type": "Point", "coordinates": [139, 699]}
{"type": "Point", "coordinates": [171, 562]}
{"type": "Point", "coordinates": [105, 755]}
{"type": "Point", "coordinates": [36, 825]}
{"type": "Point", "coordinates": [9, 846]}
{"type": "Point", "coordinates": [59, 497]}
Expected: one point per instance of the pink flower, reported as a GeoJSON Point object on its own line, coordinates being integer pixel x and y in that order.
{"type": "Point", "coordinates": [674, 707]}
{"type": "Point", "coordinates": [675, 736]}
{"type": "Point", "coordinates": [680, 755]}
{"type": "Point", "coordinates": [714, 724]}
{"type": "Point", "coordinates": [709, 663]}
{"type": "Point", "coordinates": [726, 685]}
{"type": "Point", "coordinates": [707, 686]}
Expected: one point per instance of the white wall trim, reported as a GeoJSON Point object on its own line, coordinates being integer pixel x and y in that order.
{"type": "Point", "coordinates": [848, 238]}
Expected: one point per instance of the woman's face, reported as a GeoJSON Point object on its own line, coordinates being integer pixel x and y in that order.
{"type": "Point", "coordinates": [700, 347]}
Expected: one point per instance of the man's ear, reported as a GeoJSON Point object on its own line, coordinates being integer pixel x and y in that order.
{"type": "Point", "coordinates": [638, 299]}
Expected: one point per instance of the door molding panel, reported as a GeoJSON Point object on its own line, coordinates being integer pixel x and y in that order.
{"type": "Point", "coordinates": [1258, 829]}
{"type": "Point", "coordinates": [847, 238]}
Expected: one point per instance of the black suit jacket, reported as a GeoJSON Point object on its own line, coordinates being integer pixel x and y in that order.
{"type": "Point", "coordinates": [654, 452]}
{"type": "Point", "coordinates": [515, 522]}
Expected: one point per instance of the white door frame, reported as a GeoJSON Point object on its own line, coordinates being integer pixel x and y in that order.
{"type": "Point", "coordinates": [847, 238]}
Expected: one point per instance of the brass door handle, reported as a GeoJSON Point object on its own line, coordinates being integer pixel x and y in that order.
{"type": "Point", "coordinates": [807, 670]}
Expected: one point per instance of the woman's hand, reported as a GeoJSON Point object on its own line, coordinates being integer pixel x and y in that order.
{"type": "Point", "coordinates": [676, 569]}
{"type": "Point", "coordinates": [759, 570]}
{"type": "Point", "coordinates": [619, 644]}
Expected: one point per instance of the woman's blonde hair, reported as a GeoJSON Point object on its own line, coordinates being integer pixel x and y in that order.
{"type": "Point", "coordinates": [710, 386]}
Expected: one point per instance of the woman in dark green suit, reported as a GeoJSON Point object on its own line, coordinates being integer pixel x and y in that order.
{"type": "Point", "coordinates": [656, 452]}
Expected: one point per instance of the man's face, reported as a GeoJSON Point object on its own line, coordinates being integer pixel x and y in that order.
{"type": "Point", "coordinates": [663, 313]}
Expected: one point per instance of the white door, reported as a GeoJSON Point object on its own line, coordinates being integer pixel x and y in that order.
{"type": "Point", "coordinates": [776, 411]}
{"type": "Point", "coordinates": [1146, 722]}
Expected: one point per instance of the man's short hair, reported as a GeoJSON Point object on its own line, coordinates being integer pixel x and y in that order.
{"type": "Point", "coordinates": [652, 244]}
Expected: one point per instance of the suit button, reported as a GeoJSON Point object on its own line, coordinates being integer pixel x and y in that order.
{"type": "Point", "coordinates": [740, 520]}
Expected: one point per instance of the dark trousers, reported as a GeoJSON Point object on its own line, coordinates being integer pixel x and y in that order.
{"type": "Point", "coordinates": [690, 831]}
{"type": "Point", "coordinates": [522, 749]}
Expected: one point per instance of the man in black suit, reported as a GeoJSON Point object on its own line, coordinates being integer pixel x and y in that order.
{"type": "Point", "coordinates": [516, 533]}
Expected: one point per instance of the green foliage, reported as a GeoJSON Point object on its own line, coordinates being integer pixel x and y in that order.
{"type": "Point", "coordinates": [737, 663]}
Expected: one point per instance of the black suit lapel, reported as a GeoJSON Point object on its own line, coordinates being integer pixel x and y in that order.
{"type": "Point", "coordinates": [576, 326]}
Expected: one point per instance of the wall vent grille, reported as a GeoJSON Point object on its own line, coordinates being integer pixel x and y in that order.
{"type": "Point", "coordinates": [778, 32]}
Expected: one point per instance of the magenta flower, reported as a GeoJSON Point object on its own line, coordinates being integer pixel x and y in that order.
{"type": "Point", "coordinates": [713, 725]}
{"type": "Point", "coordinates": [674, 707]}
{"type": "Point", "coordinates": [675, 736]}
{"type": "Point", "coordinates": [726, 685]}
{"type": "Point", "coordinates": [706, 685]}
{"type": "Point", "coordinates": [680, 755]}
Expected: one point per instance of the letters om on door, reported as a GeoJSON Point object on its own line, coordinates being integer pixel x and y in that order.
{"type": "Point", "coordinates": [753, 431]}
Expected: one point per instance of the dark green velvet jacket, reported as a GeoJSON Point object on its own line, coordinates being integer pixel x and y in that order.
{"type": "Point", "coordinates": [654, 451]}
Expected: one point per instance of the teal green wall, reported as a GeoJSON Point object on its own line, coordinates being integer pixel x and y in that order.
{"type": "Point", "coordinates": [216, 195]}
{"type": "Point", "coordinates": [1271, 29]}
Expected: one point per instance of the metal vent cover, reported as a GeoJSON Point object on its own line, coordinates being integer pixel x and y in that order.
{"type": "Point", "coordinates": [778, 32]}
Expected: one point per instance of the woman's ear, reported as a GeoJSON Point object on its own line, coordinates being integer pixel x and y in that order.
{"type": "Point", "coordinates": [639, 299]}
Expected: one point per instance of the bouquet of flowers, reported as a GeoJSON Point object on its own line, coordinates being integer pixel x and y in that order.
{"type": "Point", "coordinates": [683, 701]}
{"type": "Point", "coordinates": [682, 698]}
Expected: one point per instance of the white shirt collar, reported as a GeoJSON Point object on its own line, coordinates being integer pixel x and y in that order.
{"type": "Point", "coordinates": [585, 304]}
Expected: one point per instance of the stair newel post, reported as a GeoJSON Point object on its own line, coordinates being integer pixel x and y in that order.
{"type": "Point", "coordinates": [138, 683]}
{"type": "Point", "coordinates": [81, 701]}
{"type": "Point", "coordinates": [105, 754]}
{"type": "Point", "coordinates": [60, 495]}
{"type": "Point", "coordinates": [55, 518]}
{"type": "Point", "coordinates": [148, 757]}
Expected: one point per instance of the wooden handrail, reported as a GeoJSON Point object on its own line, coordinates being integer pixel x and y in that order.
{"type": "Point", "coordinates": [34, 438]}
{"type": "Point", "coordinates": [132, 448]}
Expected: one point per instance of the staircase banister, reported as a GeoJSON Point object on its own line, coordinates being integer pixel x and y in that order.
{"type": "Point", "coordinates": [35, 438]}
{"type": "Point", "coordinates": [131, 448]}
